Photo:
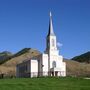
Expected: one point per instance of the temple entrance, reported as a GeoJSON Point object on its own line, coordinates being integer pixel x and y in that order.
{"type": "Point", "coordinates": [56, 73]}
{"type": "Point", "coordinates": [52, 74]}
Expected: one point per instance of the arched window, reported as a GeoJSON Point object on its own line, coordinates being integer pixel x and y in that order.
{"type": "Point", "coordinates": [54, 64]}
{"type": "Point", "coordinates": [53, 42]}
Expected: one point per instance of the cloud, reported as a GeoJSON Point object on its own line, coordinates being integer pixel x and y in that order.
{"type": "Point", "coordinates": [59, 44]}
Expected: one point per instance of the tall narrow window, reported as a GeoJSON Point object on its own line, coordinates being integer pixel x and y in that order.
{"type": "Point", "coordinates": [53, 42]}
{"type": "Point", "coordinates": [54, 64]}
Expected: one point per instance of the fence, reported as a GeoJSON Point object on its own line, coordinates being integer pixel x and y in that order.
{"type": "Point", "coordinates": [40, 74]}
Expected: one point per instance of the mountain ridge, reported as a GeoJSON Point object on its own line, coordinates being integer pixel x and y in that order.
{"type": "Point", "coordinates": [73, 67]}
{"type": "Point", "coordinates": [84, 58]}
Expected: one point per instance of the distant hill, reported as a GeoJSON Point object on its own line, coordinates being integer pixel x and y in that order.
{"type": "Point", "coordinates": [23, 51]}
{"type": "Point", "coordinates": [74, 68]}
{"type": "Point", "coordinates": [85, 58]}
{"type": "Point", "coordinates": [5, 56]}
{"type": "Point", "coordinates": [20, 56]}
{"type": "Point", "coordinates": [9, 66]}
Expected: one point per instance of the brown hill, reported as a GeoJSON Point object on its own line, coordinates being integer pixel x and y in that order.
{"type": "Point", "coordinates": [5, 56]}
{"type": "Point", "coordinates": [83, 57]}
{"type": "Point", "coordinates": [73, 68]}
{"type": "Point", "coordinates": [9, 67]}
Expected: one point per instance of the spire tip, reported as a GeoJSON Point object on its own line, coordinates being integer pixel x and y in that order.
{"type": "Point", "coordinates": [50, 14]}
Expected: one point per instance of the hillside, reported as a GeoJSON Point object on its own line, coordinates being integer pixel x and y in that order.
{"type": "Point", "coordinates": [83, 58]}
{"type": "Point", "coordinates": [73, 68]}
{"type": "Point", "coordinates": [77, 69]}
{"type": "Point", "coordinates": [9, 66]}
{"type": "Point", "coordinates": [4, 56]}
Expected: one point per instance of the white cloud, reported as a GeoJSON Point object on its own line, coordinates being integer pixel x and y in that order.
{"type": "Point", "coordinates": [59, 44]}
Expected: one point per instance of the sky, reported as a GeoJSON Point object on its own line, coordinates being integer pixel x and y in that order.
{"type": "Point", "coordinates": [25, 24]}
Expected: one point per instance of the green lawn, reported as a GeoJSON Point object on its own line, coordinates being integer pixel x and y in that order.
{"type": "Point", "coordinates": [45, 84]}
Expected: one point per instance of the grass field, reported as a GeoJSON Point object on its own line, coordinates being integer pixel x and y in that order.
{"type": "Point", "coordinates": [45, 84]}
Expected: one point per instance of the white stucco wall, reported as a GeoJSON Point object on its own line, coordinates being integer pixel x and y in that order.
{"type": "Point", "coordinates": [60, 65]}
{"type": "Point", "coordinates": [45, 64]}
{"type": "Point", "coordinates": [34, 68]}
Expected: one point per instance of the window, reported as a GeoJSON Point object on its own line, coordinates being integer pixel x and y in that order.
{"type": "Point", "coordinates": [52, 42]}
{"type": "Point", "coordinates": [54, 64]}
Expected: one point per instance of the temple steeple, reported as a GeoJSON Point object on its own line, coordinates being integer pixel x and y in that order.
{"type": "Point", "coordinates": [51, 32]}
{"type": "Point", "coordinates": [51, 43]}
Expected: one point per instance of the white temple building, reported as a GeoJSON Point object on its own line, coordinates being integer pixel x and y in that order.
{"type": "Point", "coordinates": [49, 63]}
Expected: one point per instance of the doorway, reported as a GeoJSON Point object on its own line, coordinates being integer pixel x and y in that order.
{"type": "Point", "coordinates": [56, 73]}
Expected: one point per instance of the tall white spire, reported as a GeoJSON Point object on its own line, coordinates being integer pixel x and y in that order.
{"type": "Point", "coordinates": [51, 32]}
{"type": "Point", "coordinates": [50, 14]}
